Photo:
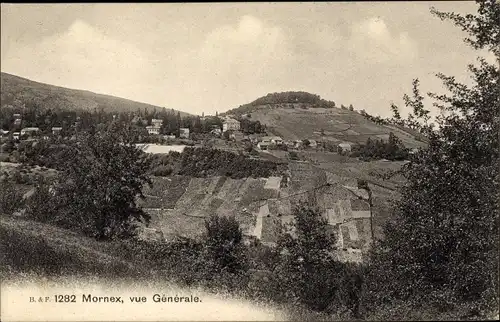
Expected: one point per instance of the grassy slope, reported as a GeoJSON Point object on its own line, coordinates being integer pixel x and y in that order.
{"type": "Point", "coordinates": [22, 89]}
{"type": "Point", "coordinates": [29, 246]}
{"type": "Point", "coordinates": [338, 125]}
{"type": "Point", "coordinates": [302, 116]}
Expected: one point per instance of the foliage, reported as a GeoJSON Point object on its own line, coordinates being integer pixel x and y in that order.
{"type": "Point", "coordinates": [224, 254]}
{"type": "Point", "coordinates": [308, 271]}
{"type": "Point", "coordinates": [10, 198]}
{"type": "Point", "coordinates": [393, 149]}
{"type": "Point", "coordinates": [441, 250]}
{"type": "Point", "coordinates": [419, 118]}
{"type": "Point", "coordinates": [201, 162]}
{"type": "Point", "coordinates": [376, 119]}
{"type": "Point", "coordinates": [162, 171]}
{"type": "Point", "coordinates": [96, 190]}
{"type": "Point", "coordinates": [286, 100]}
{"type": "Point", "coordinates": [250, 127]}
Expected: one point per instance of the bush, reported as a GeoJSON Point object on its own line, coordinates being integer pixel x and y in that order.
{"type": "Point", "coordinates": [201, 162]}
{"type": "Point", "coordinates": [308, 272]}
{"type": "Point", "coordinates": [10, 198]}
{"type": "Point", "coordinates": [43, 205]}
{"type": "Point", "coordinates": [162, 171]}
{"type": "Point", "coordinates": [224, 252]}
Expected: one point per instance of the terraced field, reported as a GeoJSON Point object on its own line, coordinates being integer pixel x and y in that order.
{"type": "Point", "coordinates": [180, 205]}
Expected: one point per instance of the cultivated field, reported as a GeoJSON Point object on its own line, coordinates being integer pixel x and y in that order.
{"type": "Point", "coordinates": [337, 125]}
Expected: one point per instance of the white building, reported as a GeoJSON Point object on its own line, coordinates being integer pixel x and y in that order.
{"type": "Point", "coordinates": [184, 133]}
{"type": "Point", "coordinates": [56, 130]}
{"type": "Point", "coordinates": [230, 124]}
{"type": "Point", "coordinates": [153, 130]}
{"type": "Point", "coordinates": [272, 139]}
{"type": "Point", "coordinates": [156, 122]}
{"type": "Point", "coordinates": [29, 131]}
{"type": "Point", "coordinates": [313, 143]}
{"type": "Point", "coordinates": [344, 147]}
{"type": "Point", "coordinates": [263, 145]}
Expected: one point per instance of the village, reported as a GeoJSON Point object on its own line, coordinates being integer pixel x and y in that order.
{"type": "Point", "coordinates": [227, 134]}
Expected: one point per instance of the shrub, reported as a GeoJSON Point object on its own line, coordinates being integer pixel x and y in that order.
{"type": "Point", "coordinates": [162, 171]}
{"type": "Point", "coordinates": [224, 252]}
{"type": "Point", "coordinates": [308, 272]}
{"type": "Point", "coordinates": [10, 198]}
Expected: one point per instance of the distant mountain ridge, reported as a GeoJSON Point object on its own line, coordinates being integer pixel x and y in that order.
{"type": "Point", "coordinates": [15, 91]}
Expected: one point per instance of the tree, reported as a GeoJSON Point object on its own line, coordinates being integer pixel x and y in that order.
{"type": "Point", "coordinates": [442, 246]}
{"type": "Point", "coordinates": [97, 188]}
{"type": "Point", "coordinates": [307, 267]}
{"type": "Point", "coordinates": [224, 254]}
{"type": "Point", "coordinates": [351, 108]}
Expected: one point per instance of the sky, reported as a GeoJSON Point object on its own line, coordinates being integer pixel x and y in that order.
{"type": "Point", "coordinates": [203, 58]}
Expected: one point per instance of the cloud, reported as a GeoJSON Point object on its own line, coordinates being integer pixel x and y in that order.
{"type": "Point", "coordinates": [81, 57]}
{"type": "Point", "coordinates": [371, 39]}
{"type": "Point", "coordinates": [234, 63]}
{"type": "Point", "coordinates": [248, 47]}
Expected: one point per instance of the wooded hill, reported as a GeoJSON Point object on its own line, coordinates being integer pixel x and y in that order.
{"type": "Point", "coordinates": [16, 91]}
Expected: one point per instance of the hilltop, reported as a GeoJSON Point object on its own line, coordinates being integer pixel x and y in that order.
{"type": "Point", "coordinates": [16, 91]}
{"type": "Point", "coordinates": [301, 115]}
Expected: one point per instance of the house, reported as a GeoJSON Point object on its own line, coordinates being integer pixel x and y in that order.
{"type": "Point", "coordinates": [263, 145]}
{"type": "Point", "coordinates": [313, 143]}
{"type": "Point", "coordinates": [272, 139]}
{"type": "Point", "coordinates": [56, 130]}
{"type": "Point", "coordinates": [344, 148]}
{"type": "Point", "coordinates": [156, 122]}
{"type": "Point", "coordinates": [169, 137]}
{"type": "Point", "coordinates": [184, 133]}
{"type": "Point", "coordinates": [16, 135]}
{"type": "Point", "coordinates": [230, 124]}
{"type": "Point", "coordinates": [4, 132]}
{"type": "Point", "coordinates": [30, 131]}
{"type": "Point", "coordinates": [413, 151]}
{"type": "Point", "coordinates": [298, 144]}
{"type": "Point", "coordinates": [17, 121]}
{"type": "Point", "coordinates": [153, 130]}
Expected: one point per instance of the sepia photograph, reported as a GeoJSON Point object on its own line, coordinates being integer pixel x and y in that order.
{"type": "Point", "coordinates": [250, 161]}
